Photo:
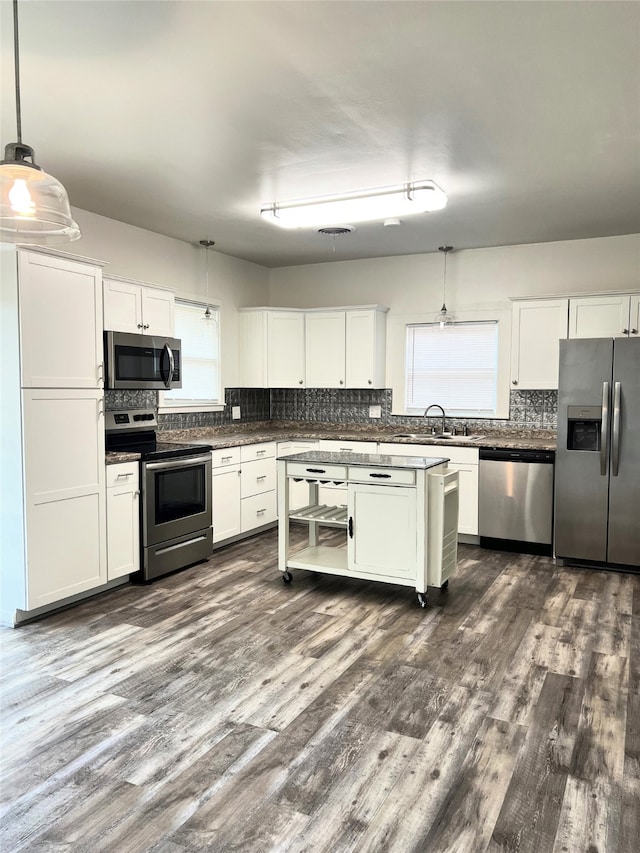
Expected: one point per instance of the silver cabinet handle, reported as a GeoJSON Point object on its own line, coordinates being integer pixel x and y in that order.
{"type": "Point", "coordinates": [634, 331]}
{"type": "Point", "coordinates": [260, 452]}
{"type": "Point", "coordinates": [261, 511]}
{"type": "Point", "coordinates": [146, 326]}
{"type": "Point", "coordinates": [129, 474]}
{"type": "Point", "coordinates": [615, 430]}
{"type": "Point", "coordinates": [140, 326]}
{"type": "Point", "coordinates": [625, 331]}
{"type": "Point", "coordinates": [514, 381]}
{"type": "Point", "coordinates": [263, 477]}
{"type": "Point", "coordinates": [342, 381]}
{"type": "Point", "coordinates": [370, 381]}
{"type": "Point", "coordinates": [300, 382]}
{"type": "Point", "coordinates": [604, 430]}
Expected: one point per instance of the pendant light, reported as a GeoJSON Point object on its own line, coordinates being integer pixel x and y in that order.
{"type": "Point", "coordinates": [207, 244]}
{"type": "Point", "coordinates": [443, 318]}
{"type": "Point", "coordinates": [34, 206]}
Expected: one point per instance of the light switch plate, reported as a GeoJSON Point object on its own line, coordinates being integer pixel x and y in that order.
{"type": "Point", "coordinates": [375, 411]}
{"type": "Point", "coordinates": [235, 413]}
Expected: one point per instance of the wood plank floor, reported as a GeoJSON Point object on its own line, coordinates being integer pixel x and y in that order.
{"type": "Point", "coordinates": [220, 710]}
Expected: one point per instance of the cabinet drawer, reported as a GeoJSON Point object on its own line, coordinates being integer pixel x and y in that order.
{"type": "Point", "coordinates": [316, 471]}
{"type": "Point", "coordinates": [225, 456]}
{"type": "Point", "coordinates": [348, 446]}
{"type": "Point", "coordinates": [384, 476]}
{"type": "Point", "coordinates": [121, 473]}
{"type": "Point", "coordinates": [257, 510]}
{"type": "Point", "coordinates": [250, 452]}
{"type": "Point", "coordinates": [257, 477]}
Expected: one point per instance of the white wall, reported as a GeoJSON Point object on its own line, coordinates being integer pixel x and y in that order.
{"type": "Point", "coordinates": [145, 256]}
{"type": "Point", "coordinates": [480, 283]}
{"type": "Point", "coordinates": [476, 278]}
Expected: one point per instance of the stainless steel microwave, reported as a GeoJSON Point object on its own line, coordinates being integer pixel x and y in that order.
{"type": "Point", "coordinates": [141, 361]}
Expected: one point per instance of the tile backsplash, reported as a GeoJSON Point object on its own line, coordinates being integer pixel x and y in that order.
{"type": "Point", "coordinates": [528, 409]}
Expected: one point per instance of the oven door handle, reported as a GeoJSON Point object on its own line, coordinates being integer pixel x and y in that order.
{"type": "Point", "coordinates": [183, 462]}
{"type": "Point", "coordinates": [169, 351]}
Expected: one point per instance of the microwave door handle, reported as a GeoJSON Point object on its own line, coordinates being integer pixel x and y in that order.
{"type": "Point", "coordinates": [615, 430]}
{"type": "Point", "coordinates": [169, 351]}
{"type": "Point", "coordinates": [604, 430]}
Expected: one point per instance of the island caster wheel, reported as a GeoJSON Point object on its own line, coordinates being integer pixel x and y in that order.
{"type": "Point", "coordinates": [287, 577]}
{"type": "Point", "coordinates": [445, 585]}
{"type": "Point", "coordinates": [422, 599]}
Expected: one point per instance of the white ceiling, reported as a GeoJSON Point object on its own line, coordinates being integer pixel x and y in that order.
{"type": "Point", "coordinates": [185, 117]}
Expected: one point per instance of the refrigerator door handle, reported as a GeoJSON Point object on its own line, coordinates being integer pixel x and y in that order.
{"type": "Point", "coordinates": [615, 430]}
{"type": "Point", "coordinates": [604, 430]}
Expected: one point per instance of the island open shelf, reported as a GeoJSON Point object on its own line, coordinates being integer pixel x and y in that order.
{"type": "Point", "coordinates": [400, 520]}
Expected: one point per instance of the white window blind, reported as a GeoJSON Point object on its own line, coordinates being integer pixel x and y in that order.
{"type": "Point", "coordinates": [200, 356]}
{"type": "Point", "coordinates": [455, 366]}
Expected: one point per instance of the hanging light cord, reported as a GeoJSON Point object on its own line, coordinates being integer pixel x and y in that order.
{"type": "Point", "coordinates": [16, 61]}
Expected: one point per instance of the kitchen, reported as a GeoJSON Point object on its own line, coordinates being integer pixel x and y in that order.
{"type": "Point", "coordinates": [305, 686]}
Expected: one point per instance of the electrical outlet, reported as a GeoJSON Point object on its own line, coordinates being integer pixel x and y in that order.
{"type": "Point", "coordinates": [375, 411]}
{"type": "Point", "coordinates": [235, 413]}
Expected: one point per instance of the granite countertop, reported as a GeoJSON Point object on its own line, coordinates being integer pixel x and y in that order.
{"type": "Point", "coordinates": [364, 460]}
{"type": "Point", "coordinates": [113, 457]}
{"type": "Point", "coordinates": [221, 437]}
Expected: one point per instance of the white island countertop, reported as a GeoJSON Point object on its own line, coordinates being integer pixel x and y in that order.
{"type": "Point", "coordinates": [378, 460]}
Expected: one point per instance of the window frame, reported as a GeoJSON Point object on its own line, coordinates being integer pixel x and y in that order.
{"type": "Point", "coordinates": [166, 405]}
{"type": "Point", "coordinates": [458, 412]}
{"type": "Point", "coordinates": [396, 356]}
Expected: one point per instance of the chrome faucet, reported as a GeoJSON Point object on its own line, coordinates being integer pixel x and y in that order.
{"type": "Point", "coordinates": [436, 406]}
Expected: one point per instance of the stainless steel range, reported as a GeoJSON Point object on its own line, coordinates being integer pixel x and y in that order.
{"type": "Point", "coordinates": [175, 483]}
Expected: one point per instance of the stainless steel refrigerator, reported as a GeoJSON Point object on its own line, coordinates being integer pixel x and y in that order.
{"type": "Point", "coordinates": [597, 492]}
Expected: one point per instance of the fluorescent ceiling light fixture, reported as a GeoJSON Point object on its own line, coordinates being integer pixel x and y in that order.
{"type": "Point", "coordinates": [362, 206]}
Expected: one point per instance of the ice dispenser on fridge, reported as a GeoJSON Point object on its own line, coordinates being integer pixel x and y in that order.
{"type": "Point", "coordinates": [584, 427]}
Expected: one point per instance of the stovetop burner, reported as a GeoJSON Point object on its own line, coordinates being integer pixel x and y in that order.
{"type": "Point", "coordinates": [132, 431]}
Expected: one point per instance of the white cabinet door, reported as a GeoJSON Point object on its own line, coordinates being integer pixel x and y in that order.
{"type": "Point", "coordinates": [467, 497]}
{"type": "Point", "coordinates": [60, 322]}
{"type": "Point", "coordinates": [226, 502]}
{"type": "Point", "coordinates": [599, 316]}
{"type": "Point", "coordinates": [158, 312]}
{"type": "Point", "coordinates": [325, 349]}
{"type": "Point", "coordinates": [634, 314]}
{"type": "Point", "coordinates": [123, 520]}
{"type": "Point", "coordinates": [64, 493]}
{"type": "Point", "coordinates": [538, 327]}
{"type": "Point", "coordinates": [384, 540]}
{"type": "Point", "coordinates": [365, 348]}
{"type": "Point", "coordinates": [130, 307]}
{"type": "Point", "coordinates": [122, 307]}
{"type": "Point", "coordinates": [253, 349]}
{"type": "Point", "coordinates": [286, 356]}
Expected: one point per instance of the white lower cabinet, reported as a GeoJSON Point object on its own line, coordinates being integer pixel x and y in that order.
{"type": "Point", "coordinates": [464, 460]}
{"type": "Point", "coordinates": [384, 530]}
{"type": "Point", "coordinates": [123, 520]}
{"type": "Point", "coordinates": [257, 485]}
{"type": "Point", "coordinates": [226, 493]}
{"type": "Point", "coordinates": [64, 493]}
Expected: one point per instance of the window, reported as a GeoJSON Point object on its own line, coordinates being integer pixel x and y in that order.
{"type": "Point", "coordinates": [455, 366]}
{"type": "Point", "coordinates": [200, 358]}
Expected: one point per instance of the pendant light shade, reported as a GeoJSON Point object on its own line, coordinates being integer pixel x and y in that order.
{"type": "Point", "coordinates": [34, 206]}
{"type": "Point", "coordinates": [207, 244]}
{"type": "Point", "coordinates": [443, 318]}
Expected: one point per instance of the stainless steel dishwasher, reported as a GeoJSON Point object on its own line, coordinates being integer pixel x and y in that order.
{"type": "Point", "coordinates": [516, 500]}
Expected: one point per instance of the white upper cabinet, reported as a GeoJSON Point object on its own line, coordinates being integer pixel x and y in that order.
{"type": "Point", "coordinates": [538, 327]}
{"type": "Point", "coordinates": [365, 347]}
{"type": "Point", "coordinates": [137, 308]}
{"type": "Point", "coordinates": [285, 349]}
{"type": "Point", "coordinates": [60, 322]}
{"type": "Point", "coordinates": [328, 348]}
{"type": "Point", "coordinates": [603, 316]}
{"type": "Point", "coordinates": [325, 349]}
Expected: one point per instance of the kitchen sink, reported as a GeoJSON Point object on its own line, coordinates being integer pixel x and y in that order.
{"type": "Point", "coordinates": [427, 436]}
